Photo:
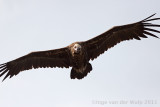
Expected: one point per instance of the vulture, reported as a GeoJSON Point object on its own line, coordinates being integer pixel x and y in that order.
{"type": "Point", "coordinates": [78, 54]}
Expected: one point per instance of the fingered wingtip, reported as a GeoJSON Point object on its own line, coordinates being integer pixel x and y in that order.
{"type": "Point", "coordinates": [149, 17]}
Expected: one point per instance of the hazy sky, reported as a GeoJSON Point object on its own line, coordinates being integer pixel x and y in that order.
{"type": "Point", "coordinates": [130, 71]}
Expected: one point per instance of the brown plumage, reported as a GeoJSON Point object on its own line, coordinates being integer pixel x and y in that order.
{"type": "Point", "coordinates": [78, 54]}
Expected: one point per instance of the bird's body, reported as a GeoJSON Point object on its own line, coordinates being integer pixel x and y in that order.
{"type": "Point", "coordinates": [78, 54]}
{"type": "Point", "coordinates": [79, 60]}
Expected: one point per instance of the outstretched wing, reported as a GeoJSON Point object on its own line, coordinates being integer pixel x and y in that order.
{"type": "Point", "coordinates": [41, 59]}
{"type": "Point", "coordinates": [110, 38]}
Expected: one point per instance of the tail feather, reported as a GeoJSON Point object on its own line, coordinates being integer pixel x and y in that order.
{"type": "Point", "coordinates": [80, 75]}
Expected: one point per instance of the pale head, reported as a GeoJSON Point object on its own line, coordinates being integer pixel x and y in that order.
{"type": "Point", "coordinates": [77, 48]}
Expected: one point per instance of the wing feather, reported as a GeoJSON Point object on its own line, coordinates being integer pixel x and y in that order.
{"type": "Point", "coordinates": [42, 59]}
{"type": "Point", "coordinates": [117, 34]}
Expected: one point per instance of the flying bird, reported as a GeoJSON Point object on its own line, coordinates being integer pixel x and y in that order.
{"type": "Point", "coordinates": [78, 54]}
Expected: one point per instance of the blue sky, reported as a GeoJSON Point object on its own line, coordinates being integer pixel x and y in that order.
{"type": "Point", "coordinates": [129, 71]}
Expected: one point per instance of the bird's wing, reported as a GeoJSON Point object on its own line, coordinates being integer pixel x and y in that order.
{"type": "Point", "coordinates": [41, 59]}
{"type": "Point", "coordinates": [110, 38]}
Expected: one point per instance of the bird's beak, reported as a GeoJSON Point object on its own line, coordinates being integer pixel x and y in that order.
{"type": "Point", "coordinates": [77, 50]}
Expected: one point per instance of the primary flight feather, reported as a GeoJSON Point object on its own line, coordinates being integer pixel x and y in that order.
{"type": "Point", "coordinates": [78, 54]}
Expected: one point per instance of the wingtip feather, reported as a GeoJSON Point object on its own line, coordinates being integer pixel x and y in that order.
{"type": "Point", "coordinates": [148, 17]}
{"type": "Point", "coordinates": [151, 19]}
{"type": "Point", "coordinates": [5, 77]}
{"type": "Point", "coordinates": [148, 33]}
{"type": "Point", "coordinates": [151, 25]}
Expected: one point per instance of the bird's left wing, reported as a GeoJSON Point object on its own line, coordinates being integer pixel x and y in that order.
{"type": "Point", "coordinates": [41, 59]}
{"type": "Point", "coordinates": [110, 38]}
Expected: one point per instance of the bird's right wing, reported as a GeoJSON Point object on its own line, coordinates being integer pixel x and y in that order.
{"type": "Point", "coordinates": [115, 35]}
{"type": "Point", "coordinates": [41, 59]}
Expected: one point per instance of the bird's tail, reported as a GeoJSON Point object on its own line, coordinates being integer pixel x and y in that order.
{"type": "Point", "coordinates": [80, 75]}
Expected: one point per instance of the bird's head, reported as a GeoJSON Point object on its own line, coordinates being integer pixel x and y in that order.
{"type": "Point", "coordinates": [77, 48]}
